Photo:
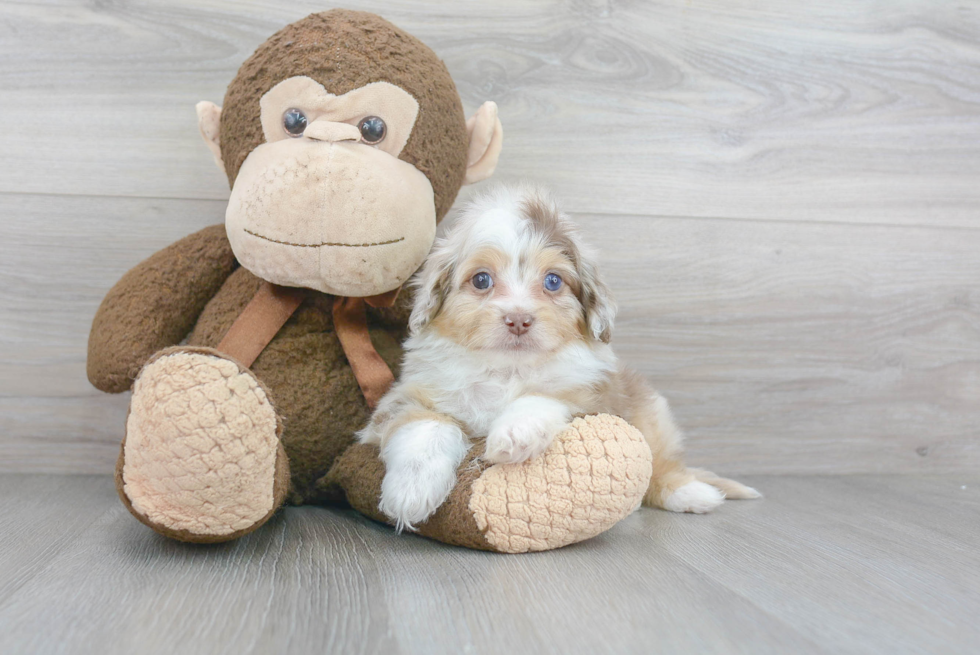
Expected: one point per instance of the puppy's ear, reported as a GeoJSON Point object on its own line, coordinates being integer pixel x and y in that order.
{"type": "Point", "coordinates": [431, 286]}
{"type": "Point", "coordinates": [600, 308]}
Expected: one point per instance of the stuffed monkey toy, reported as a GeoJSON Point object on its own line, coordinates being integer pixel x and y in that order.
{"type": "Point", "coordinates": [256, 349]}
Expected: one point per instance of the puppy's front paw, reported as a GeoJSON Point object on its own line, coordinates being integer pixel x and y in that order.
{"type": "Point", "coordinates": [409, 497]}
{"type": "Point", "coordinates": [694, 497]}
{"type": "Point", "coordinates": [525, 430]}
{"type": "Point", "coordinates": [522, 439]}
{"type": "Point", "coordinates": [420, 471]}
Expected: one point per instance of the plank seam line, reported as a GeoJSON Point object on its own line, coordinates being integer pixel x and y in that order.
{"type": "Point", "coordinates": [573, 212]}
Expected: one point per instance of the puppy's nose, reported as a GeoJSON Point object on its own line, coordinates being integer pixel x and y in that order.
{"type": "Point", "coordinates": [518, 323]}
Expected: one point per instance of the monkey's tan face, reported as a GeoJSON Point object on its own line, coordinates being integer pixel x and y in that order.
{"type": "Point", "coordinates": [325, 203]}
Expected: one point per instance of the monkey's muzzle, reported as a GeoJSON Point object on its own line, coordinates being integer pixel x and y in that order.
{"type": "Point", "coordinates": [343, 218]}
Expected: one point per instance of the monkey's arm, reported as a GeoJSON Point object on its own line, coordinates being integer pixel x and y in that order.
{"type": "Point", "coordinates": [155, 305]}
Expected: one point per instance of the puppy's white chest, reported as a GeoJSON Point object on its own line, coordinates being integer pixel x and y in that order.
{"type": "Point", "coordinates": [487, 396]}
{"type": "Point", "coordinates": [480, 403]}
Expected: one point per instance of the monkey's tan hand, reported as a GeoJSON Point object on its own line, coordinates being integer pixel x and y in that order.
{"type": "Point", "coordinates": [525, 429]}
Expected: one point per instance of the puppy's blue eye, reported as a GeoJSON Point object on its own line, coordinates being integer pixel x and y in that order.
{"type": "Point", "coordinates": [482, 281]}
{"type": "Point", "coordinates": [552, 282]}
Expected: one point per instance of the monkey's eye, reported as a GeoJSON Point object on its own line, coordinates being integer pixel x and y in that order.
{"type": "Point", "coordinates": [294, 122]}
{"type": "Point", "coordinates": [552, 282]}
{"type": "Point", "coordinates": [482, 281]}
{"type": "Point", "coordinates": [373, 129]}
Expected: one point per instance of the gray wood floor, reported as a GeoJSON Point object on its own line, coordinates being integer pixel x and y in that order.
{"type": "Point", "coordinates": [841, 564]}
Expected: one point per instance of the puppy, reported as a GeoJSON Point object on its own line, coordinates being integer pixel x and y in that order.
{"type": "Point", "coordinates": [509, 339]}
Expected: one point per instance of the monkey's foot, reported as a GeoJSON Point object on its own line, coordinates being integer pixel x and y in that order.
{"type": "Point", "coordinates": [592, 476]}
{"type": "Point", "coordinates": [201, 460]}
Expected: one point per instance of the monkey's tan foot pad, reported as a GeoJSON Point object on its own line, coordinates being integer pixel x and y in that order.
{"type": "Point", "coordinates": [592, 476]}
{"type": "Point", "coordinates": [201, 460]}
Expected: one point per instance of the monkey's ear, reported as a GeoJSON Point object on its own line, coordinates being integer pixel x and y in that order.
{"type": "Point", "coordinates": [486, 138]}
{"type": "Point", "coordinates": [209, 122]}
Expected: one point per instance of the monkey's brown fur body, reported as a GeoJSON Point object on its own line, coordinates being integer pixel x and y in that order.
{"type": "Point", "coordinates": [214, 447]}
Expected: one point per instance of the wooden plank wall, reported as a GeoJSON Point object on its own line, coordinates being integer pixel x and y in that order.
{"type": "Point", "coordinates": [786, 196]}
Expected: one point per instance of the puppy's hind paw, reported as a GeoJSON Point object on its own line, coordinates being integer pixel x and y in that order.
{"type": "Point", "coordinates": [694, 497]}
{"type": "Point", "coordinates": [733, 490]}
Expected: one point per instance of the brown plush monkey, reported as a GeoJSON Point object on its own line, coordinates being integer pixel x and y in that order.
{"type": "Point", "coordinates": [255, 349]}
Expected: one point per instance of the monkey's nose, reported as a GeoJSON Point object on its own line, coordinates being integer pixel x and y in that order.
{"type": "Point", "coordinates": [324, 130]}
{"type": "Point", "coordinates": [518, 323]}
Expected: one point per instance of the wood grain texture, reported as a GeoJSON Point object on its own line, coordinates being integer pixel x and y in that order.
{"type": "Point", "coordinates": [785, 197]}
{"type": "Point", "coordinates": [803, 347]}
{"type": "Point", "coordinates": [41, 516]}
{"type": "Point", "coordinates": [61, 255]}
{"type": "Point", "coordinates": [822, 565]}
{"type": "Point", "coordinates": [838, 111]}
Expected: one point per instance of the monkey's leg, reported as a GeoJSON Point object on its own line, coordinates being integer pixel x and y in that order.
{"type": "Point", "coordinates": [593, 475]}
{"type": "Point", "coordinates": [201, 460]}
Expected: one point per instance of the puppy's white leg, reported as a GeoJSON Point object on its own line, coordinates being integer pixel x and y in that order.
{"type": "Point", "coordinates": [420, 459]}
{"type": "Point", "coordinates": [390, 412]}
{"type": "Point", "coordinates": [525, 429]}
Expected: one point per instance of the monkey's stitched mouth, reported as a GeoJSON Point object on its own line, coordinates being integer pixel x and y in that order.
{"type": "Point", "coordinates": [325, 243]}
